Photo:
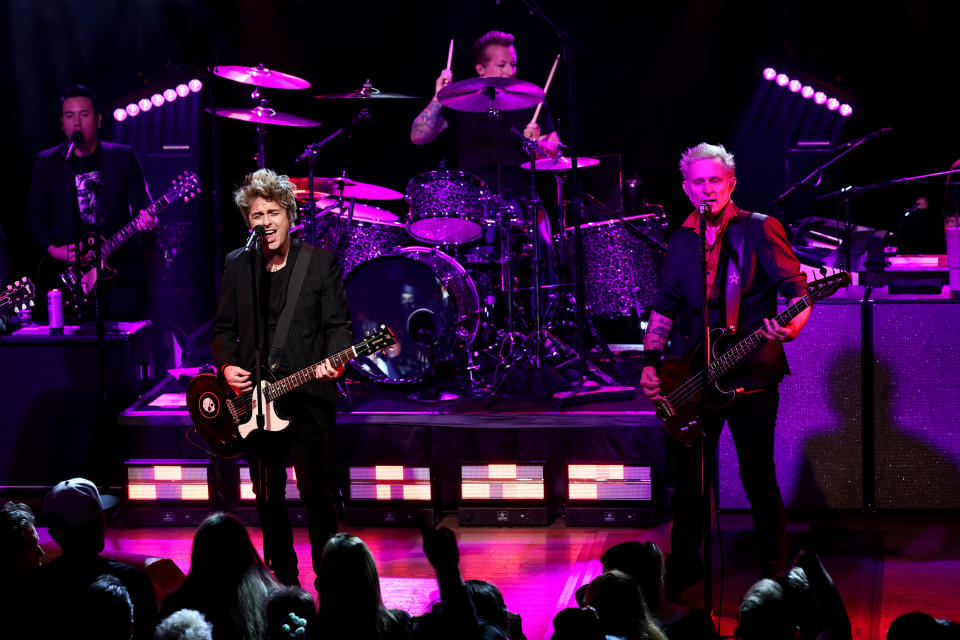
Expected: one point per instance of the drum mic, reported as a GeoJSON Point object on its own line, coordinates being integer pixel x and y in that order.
{"type": "Point", "coordinates": [254, 240]}
{"type": "Point", "coordinates": [75, 138]}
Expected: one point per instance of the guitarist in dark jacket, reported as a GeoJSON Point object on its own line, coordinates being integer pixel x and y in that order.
{"type": "Point", "coordinates": [749, 252]}
{"type": "Point", "coordinates": [85, 185]}
{"type": "Point", "coordinates": [320, 325]}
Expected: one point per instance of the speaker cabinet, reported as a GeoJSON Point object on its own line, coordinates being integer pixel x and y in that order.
{"type": "Point", "coordinates": [818, 443]}
{"type": "Point", "coordinates": [916, 404]}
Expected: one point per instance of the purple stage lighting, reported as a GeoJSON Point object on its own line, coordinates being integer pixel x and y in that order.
{"type": "Point", "coordinates": [119, 115]}
{"type": "Point", "coordinates": [145, 105]}
{"type": "Point", "coordinates": [794, 86]}
{"type": "Point", "coordinates": [132, 110]}
{"type": "Point", "coordinates": [157, 100]}
{"type": "Point", "coordinates": [806, 91]}
{"type": "Point", "coordinates": [769, 74]}
{"type": "Point", "coordinates": [845, 110]}
{"type": "Point", "coordinates": [195, 85]}
{"type": "Point", "coordinates": [819, 97]}
{"type": "Point", "coordinates": [169, 95]}
{"type": "Point", "coordinates": [833, 104]}
{"type": "Point", "coordinates": [183, 90]}
{"type": "Point", "coordinates": [782, 79]}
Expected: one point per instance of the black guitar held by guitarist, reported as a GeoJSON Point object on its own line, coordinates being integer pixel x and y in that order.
{"type": "Point", "coordinates": [223, 418]}
{"type": "Point", "coordinates": [80, 277]}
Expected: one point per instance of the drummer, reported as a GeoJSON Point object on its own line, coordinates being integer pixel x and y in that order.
{"type": "Point", "coordinates": [487, 148]}
{"type": "Point", "coordinates": [480, 143]}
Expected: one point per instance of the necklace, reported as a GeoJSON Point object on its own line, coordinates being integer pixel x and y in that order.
{"type": "Point", "coordinates": [275, 267]}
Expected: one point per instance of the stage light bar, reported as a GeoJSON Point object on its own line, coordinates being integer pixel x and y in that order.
{"type": "Point", "coordinates": [383, 483]}
{"type": "Point", "coordinates": [167, 480]}
{"type": "Point", "coordinates": [502, 482]}
{"type": "Point", "coordinates": [605, 494]}
{"type": "Point", "coordinates": [609, 482]}
{"type": "Point", "coordinates": [157, 100]}
{"type": "Point", "coordinates": [246, 485]}
{"type": "Point", "coordinates": [390, 494]}
{"type": "Point", "coordinates": [807, 91]}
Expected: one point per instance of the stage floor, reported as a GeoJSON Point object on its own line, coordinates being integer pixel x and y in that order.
{"type": "Point", "coordinates": [884, 565]}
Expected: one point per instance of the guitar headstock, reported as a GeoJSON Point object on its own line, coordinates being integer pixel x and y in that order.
{"type": "Point", "coordinates": [18, 295]}
{"type": "Point", "coordinates": [827, 286]}
{"type": "Point", "coordinates": [378, 341]}
{"type": "Point", "coordinates": [185, 186]}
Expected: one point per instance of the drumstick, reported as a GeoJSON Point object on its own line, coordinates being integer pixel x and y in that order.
{"type": "Point", "coordinates": [450, 54]}
{"type": "Point", "coordinates": [546, 87]}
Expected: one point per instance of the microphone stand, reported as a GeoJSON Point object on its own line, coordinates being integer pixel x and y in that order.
{"type": "Point", "coordinates": [568, 46]}
{"type": "Point", "coordinates": [256, 263]}
{"type": "Point", "coordinates": [844, 148]}
{"type": "Point", "coordinates": [706, 451]}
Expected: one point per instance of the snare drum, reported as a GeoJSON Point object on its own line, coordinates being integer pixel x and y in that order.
{"type": "Point", "coordinates": [446, 207]}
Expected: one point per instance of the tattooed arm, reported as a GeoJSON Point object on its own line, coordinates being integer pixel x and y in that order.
{"type": "Point", "coordinates": [654, 341]}
{"type": "Point", "coordinates": [430, 124]}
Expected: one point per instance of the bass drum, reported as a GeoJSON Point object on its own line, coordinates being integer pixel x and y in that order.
{"type": "Point", "coordinates": [426, 298]}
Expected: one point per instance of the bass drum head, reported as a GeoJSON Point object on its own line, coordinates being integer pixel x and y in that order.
{"type": "Point", "coordinates": [425, 297]}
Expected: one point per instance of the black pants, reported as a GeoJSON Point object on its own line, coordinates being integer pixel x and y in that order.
{"type": "Point", "coordinates": [306, 442]}
{"type": "Point", "coordinates": [751, 419]}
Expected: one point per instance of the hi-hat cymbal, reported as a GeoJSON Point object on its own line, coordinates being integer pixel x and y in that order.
{"type": "Point", "coordinates": [347, 188]}
{"type": "Point", "coordinates": [367, 92]}
{"type": "Point", "coordinates": [561, 163]}
{"type": "Point", "coordinates": [261, 77]}
{"type": "Point", "coordinates": [265, 115]}
{"type": "Point", "coordinates": [482, 94]}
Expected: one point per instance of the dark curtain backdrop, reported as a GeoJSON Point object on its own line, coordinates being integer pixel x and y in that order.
{"type": "Point", "coordinates": [652, 78]}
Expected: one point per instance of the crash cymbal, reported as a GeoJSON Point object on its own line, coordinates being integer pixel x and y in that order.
{"type": "Point", "coordinates": [560, 163]}
{"type": "Point", "coordinates": [480, 94]}
{"type": "Point", "coordinates": [347, 188]}
{"type": "Point", "coordinates": [265, 115]}
{"type": "Point", "coordinates": [361, 212]}
{"type": "Point", "coordinates": [261, 77]}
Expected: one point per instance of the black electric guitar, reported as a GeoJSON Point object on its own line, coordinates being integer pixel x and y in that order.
{"type": "Point", "coordinates": [681, 389]}
{"type": "Point", "coordinates": [80, 279]}
{"type": "Point", "coordinates": [223, 419]}
{"type": "Point", "coordinates": [17, 296]}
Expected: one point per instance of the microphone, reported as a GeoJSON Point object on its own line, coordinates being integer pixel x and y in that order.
{"type": "Point", "coordinates": [75, 138]}
{"type": "Point", "coordinates": [921, 205]}
{"type": "Point", "coordinates": [704, 209]}
{"type": "Point", "coordinates": [253, 242]}
{"type": "Point", "coordinates": [870, 136]}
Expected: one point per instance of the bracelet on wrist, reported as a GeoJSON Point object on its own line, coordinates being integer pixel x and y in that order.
{"type": "Point", "coordinates": [652, 358]}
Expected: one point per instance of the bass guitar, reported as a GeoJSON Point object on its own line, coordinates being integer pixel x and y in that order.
{"type": "Point", "coordinates": [681, 389]}
{"type": "Point", "coordinates": [80, 279]}
{"type": "Point", "coordinates": [224, 419]}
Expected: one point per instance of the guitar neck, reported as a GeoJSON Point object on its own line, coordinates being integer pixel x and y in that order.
{"type": "Point", "coordinates": [745, 347]}
{"type": "Point", "coordinates": [130, 229]}
{"type": "Point", "coordinates": [305, 375]}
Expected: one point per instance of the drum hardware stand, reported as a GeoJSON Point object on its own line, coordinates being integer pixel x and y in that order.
{"type": "Point", "coordinates": [424, 330]}
{"type": "Point", "coordinates": [310, 155]}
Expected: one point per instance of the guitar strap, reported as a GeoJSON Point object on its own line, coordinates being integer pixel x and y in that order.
{"type": "Point", "coordinates": [736, 234]}
{"type": "Point", "coordinates": [293, 294]}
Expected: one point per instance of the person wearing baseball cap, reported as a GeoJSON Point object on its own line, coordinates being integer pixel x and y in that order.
{"type": "Point", "coordinates": [73, 511]}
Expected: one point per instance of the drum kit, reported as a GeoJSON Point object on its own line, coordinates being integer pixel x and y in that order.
{"type": "Point", "coordinates": [443, 277]}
